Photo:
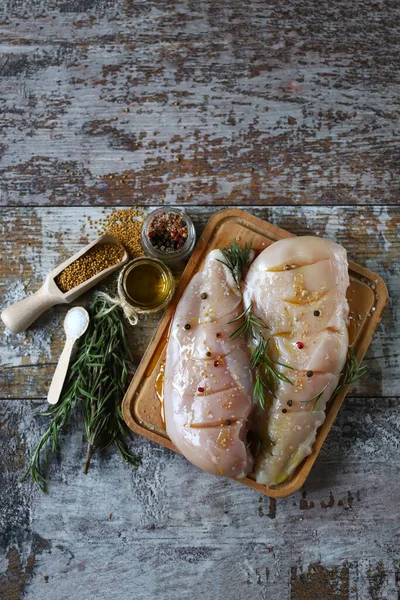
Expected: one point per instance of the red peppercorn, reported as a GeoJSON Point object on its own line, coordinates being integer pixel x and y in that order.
{"type": "Point", "coordinates": [168, 232]}
{"type": "Point", "coordinates": [300, 345]}
{"type": "Point", "coordinates": [219, 335]}
{"type": "Point", "coordinates": [216, 363]}
{"type": "Point", "coordinates": [200, 389]}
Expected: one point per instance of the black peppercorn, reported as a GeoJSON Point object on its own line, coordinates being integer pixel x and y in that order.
{"type": "Point", "coordinates": [227, 422]}
{"type": "Point", "coordinates": [187, 326]}
{"type": "Point", "coordinates": [203, 296]}
{"type": "Point", "coordinates": [316, 313]}
{"type": "Point", "coordinates": [284, 410]}
{"type": "Point", "coordinates": [310, 373]}
{"type": "Point", "coordinates": [208, 353]}
{"type": "Point", "coordinates": [289, 402]}
{"type": "Point", "coordinates": [168, 232]}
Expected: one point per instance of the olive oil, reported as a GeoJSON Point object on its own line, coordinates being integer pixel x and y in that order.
{"type": "Point", "coordinates": [159, 386]}
{"type": "Point", "coordinates": [147, 284]}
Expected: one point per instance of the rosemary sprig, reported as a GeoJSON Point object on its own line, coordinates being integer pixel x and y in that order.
{"type": "Point", "coordinates": [352, 373]}
{"type": "Point", "coordinates": [96, 382]}
{"type": "Point", "coordinates": [261, 447]}
{"type": "Point", "coordinates": [268, 377]}
{"type": "Point", "coordinates": [315, 399]}
{"type": "Point", "coordinates": [260, 443]}
{"type": "Point", "coordinates": [60, 414]}
{"type": "Point", "coordinates": [236, 259]}
{"type": "Point", "coordinates": [249, 326]}
{"type": "Point", "coordinates": [259, 393]}
{"type": "Point", "coordinates": [266, 367]}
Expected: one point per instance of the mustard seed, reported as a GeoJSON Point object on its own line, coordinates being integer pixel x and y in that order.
{"type": "Point", "coordinates": [91, 263]}
{"type": "Point", "coordinates": [125, 225]}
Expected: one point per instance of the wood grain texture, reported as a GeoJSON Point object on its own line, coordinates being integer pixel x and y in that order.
{"type": "Point", "coordinates": [252, 101]}
{"type": "Point", "coordinates": [289, 110]}
{"type": "Point", "coordinates": [180, 533]}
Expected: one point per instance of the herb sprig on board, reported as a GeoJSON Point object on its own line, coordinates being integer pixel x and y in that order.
{"type": "Point", "coordinates": [96, 384]}
{"type": "Point", "coordinates": [268, 376]}
{"type": "Point", "coordinates": [236, 259]}
{"type": "Point", "coordinates": [352, 373]}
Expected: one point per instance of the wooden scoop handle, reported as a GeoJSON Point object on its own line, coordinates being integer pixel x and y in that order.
{"type": "Point", "coordinates": [19, 316]}
{"type": "Point", "coordinates": [60, 373]}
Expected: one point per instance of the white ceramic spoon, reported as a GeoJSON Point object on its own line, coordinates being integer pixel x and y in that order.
{"type": "Point", "coordinates": [75, 324]}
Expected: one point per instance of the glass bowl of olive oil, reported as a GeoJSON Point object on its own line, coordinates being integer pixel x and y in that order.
{"type": "Point", "coordinates": [146, 284]}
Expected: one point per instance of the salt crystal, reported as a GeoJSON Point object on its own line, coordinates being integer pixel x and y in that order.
{"type": "Point", "coordinates": [76, 322]}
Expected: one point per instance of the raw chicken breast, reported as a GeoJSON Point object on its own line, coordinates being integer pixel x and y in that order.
{"type": "Point", "coordinates": [298, 287]}
{"type": "Point", "coordinates": [208, 382]}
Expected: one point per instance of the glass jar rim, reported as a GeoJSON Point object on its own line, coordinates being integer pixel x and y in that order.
{"type": "Point", "coordinates": [122, 292]}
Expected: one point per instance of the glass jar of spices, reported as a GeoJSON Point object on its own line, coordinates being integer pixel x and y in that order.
{"type": "Point", "coordinates": [146, 285]}
{"type": "Point", "coordinates": [169, 235]}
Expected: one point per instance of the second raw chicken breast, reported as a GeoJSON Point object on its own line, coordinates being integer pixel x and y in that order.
{"type": "Point", "coordinates": [297, 286]}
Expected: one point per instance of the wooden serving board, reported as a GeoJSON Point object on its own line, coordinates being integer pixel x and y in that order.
{"type": "Point", "coordinates": [367, 296]}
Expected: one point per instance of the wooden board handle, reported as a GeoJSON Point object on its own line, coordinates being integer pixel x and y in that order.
{"type": "Point", "coordinates": [60, 373]}
{"type": "Point", "coordinates": [19, 316]}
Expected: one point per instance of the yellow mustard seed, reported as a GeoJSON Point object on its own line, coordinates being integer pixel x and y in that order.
{"type": "Point", "coordinates": [91, 263]}
{"type": "Point", "coordinates": [125, 225]}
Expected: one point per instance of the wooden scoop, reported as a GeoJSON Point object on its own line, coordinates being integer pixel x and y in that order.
{"type": "Point", "coordinates": [19, 316]}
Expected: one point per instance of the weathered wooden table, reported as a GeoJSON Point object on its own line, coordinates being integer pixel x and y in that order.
{"type": "Point", "coordinates": [290, 110]}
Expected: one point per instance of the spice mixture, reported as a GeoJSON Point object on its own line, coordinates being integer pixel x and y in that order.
{"type": "Point", "coordinates": [91, 263]}
{"type": "Point", "coordinates": [125, 225]}
{"type": "Point", "coordinates": [168, 232]}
